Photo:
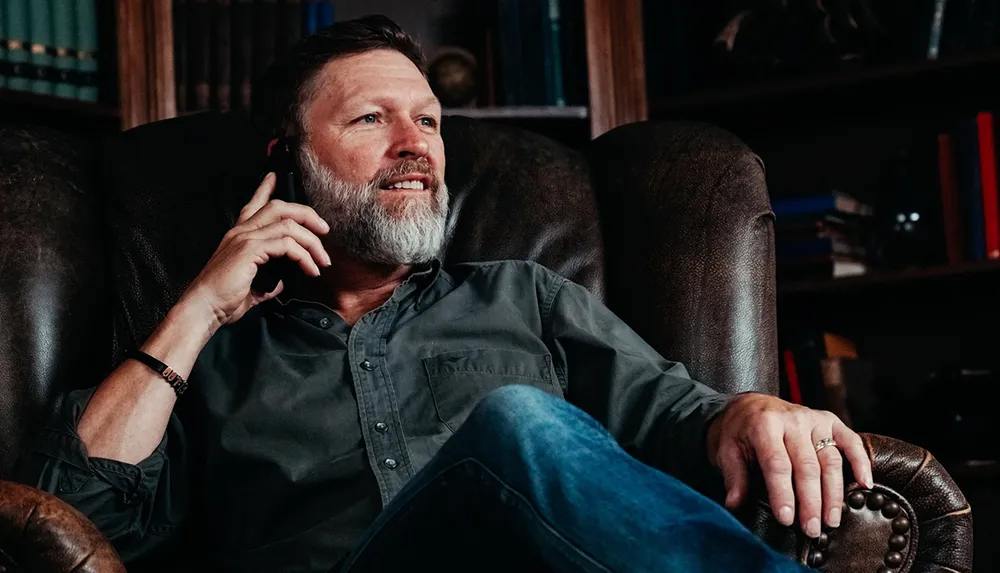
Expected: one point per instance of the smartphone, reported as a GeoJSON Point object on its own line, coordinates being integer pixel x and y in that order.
{"type": "Point", "coordinates": [288, 188]}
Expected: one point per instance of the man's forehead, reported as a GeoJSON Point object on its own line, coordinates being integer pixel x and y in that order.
{"type": "Point", "coordinates": [379, 73]}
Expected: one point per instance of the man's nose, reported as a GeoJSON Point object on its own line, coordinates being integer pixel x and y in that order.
{"type": "Point", "coordinates": [409, 141]}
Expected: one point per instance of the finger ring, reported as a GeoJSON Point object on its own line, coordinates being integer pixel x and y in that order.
{"type": "Point", "coordinates": [824, 443]}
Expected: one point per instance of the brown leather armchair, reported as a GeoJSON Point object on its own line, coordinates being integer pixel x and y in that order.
{"type": "Point", "coordinates": [669, 222]}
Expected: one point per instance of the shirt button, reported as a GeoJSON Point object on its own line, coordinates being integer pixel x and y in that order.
{"type": "Point", "coordinates": [381, 427]}
{"type": "Point", "coordinates": [390, 463]}
{"type": "Point", "coordinates": [324, 322]}
{"type": "Point", "coordinates": [367, 365]}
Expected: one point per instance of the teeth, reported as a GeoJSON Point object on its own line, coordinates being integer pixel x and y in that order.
{"type": "Point", "coordinates": [408, 185]}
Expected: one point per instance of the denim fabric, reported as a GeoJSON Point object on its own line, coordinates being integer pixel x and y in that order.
{"type": "Point", "coordinates": [532, 483]}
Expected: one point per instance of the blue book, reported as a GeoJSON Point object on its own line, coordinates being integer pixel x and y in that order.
{"type": "Point", "coordinates": [40, 37]}
{"type": "Point", "coordinates": [3, 45]}
{"type": "Point", "coordinates": [18, 47]}
{"type": "Point", "coordinates": [310, 17]}
{"type": "Point", "coordinates": [554, 62]}
{"type": "Point", "coordinates": [325, 15]}
{"type": "Point", "coordinates": [833, 201]}
{"type": "Point", "coordinates": [970, 189]}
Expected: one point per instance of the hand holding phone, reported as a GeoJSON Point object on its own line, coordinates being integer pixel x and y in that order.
{"type": "Point", "coordinates": [281, 162]}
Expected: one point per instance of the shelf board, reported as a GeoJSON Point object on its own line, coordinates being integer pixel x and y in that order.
{"type": "Point", "coordinates": [879, 279]}
{"type": "Point", "coordinates": [52, 110]}
{"type": "Point", "coordinates": [930, 84]}
{"type": "Point", "coordinates": [521, 112]}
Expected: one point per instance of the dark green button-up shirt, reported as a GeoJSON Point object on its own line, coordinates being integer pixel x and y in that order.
{"type": "Point", "coordinates": [297, 428]}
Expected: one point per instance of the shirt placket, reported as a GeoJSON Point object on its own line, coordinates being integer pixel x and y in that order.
{"type": "Point", "coordinates": [378, 408]}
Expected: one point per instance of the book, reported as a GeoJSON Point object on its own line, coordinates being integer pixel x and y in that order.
{"type": "Point", "coordinates": [325, 13]}
{"type": "Point", "coordinates": [820, 267]}
{"type": "Point", "coordinates": [17, 44]}
{"type": "Point", "coordinates": [950, 204]}
{"type": "Point", "coordinates": [242, 46]}
{"type": "Point", "coordinates": [988, 184]}
{"type": "Point", "coordinates": [181, 55]}
{"type": "Point", "coordinates": [221, 53]}
{"type": "Point", "coordinates": [40, 40]}
{"type": "Point", "coordinates": [970, 188]}
{"type": "Point", "coordinates": [4, 64]}
{"type": "Point", "coordinates": [87, 43]}
{"type": "Point", "coordinates": [834, 201]}
{"type": "Point", "coordinates": [310, 16]}
{"type": "Point", "coordinates": [199, 54]}
{"type": "Point", "coordinates": [64, 43]}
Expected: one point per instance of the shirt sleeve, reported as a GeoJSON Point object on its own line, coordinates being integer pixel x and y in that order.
{"type": "Point", "coordinates": [138, 507]}
{"type": "Point", "coordinates": [648, 403]}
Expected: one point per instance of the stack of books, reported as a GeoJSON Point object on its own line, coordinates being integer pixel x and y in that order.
{"type": "Point", "coordinates": [49, 47]}
{"type": "Point", "coordinates": [821, 236]}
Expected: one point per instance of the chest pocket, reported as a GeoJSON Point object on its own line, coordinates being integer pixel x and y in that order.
{"type": "Point", "coordinates": [459, 379]}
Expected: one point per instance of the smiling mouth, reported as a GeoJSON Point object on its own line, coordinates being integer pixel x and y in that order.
{"type": "Point", "coordinates": [410, 182]}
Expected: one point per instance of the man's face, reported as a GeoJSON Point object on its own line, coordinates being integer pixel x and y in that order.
{"type": "Point", "coordinates": [373, 159]}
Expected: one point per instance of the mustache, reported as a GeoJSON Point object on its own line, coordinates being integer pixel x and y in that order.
{"type": "Point", "coordinates": [405, 167]}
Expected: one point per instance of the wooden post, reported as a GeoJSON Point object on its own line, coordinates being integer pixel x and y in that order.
{"type": "Point", "coordinates": [145, 61]}
{"type": "Point", "coordinates": [616, 65]}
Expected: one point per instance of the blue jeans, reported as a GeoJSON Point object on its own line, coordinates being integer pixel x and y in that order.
{"type": "Point", "coordinates": [532, 483]}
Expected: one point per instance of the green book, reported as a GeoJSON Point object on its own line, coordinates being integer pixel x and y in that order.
{"type": "Point", "coordinates": [64, 41]}
{"type": "Point", "coordinates": [86, 43]}
{"type": "Point", "coordinates": [3, 45]}
{"type": "Point", "coordinates": [17, 44]}
{"type": "Point", "coordinates": [40, 37]}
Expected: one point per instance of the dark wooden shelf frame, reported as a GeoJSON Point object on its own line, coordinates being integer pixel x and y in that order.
{"type": "Point", "coordinates": [879, 279]}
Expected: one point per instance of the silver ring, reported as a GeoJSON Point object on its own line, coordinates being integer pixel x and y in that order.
{"type": "Point", "coordinates": [824, 443]}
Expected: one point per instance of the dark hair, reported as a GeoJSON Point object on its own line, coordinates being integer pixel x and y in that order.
{"type": "Point", "coordinates": [280, 93]}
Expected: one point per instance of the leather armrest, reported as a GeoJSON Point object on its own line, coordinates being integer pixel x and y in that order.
{"type": "Point", "coordinates": [915, 519]}
{"type": "Point", "coordinates": [42, 534]}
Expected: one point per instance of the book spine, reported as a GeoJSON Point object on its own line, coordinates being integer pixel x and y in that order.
{"type": "Point", "coordinates": [87, 41]}
{"type": "Point", "coordinates": [265, 30]}
{"type": "Point", "coordinates": [967, 155]}
{"type": "Point", "coordinates": [181, 54]}
{"type": "Point", "coordinates": [555, 48]}
{"type": "Point", "coordinates": [291, 24]}
{"type": "Point", "coordinates": [242, 40]}
{"type": "Point", "coordinates": [221, 49]}
{"type": "Point", "coordinates": [310, 16]}
{"type": "Point", "coordinates": [937, 22]}
{"type": "Point", "coordinates": [988, 174]}
{"type": "Point", "coordinates": [40, 39]}
{"type": "Point", "coordinates": [17, 44]}
{"type": "Point", "coordinates": [510, 48]}
{"type": "Point", "coordinates": [950, 205]}
{"type": "Point", "coordinates": [200, 57]}
{"type": "Point", "coordinates": [64, 40]}
{"type": "Point", "coordinates": [325, 15]}
{"type": "Point", "coordinates": [4, 64]}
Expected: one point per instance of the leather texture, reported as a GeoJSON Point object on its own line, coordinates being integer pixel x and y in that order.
{"type": "Point", "coordinates": [40, 533]}
{"type": "Point", "coordinates": [690, 248]}
{"type": "Point", "coordinates": [669, 222]}
{"type": "Point", "coordinates": [53, 310]}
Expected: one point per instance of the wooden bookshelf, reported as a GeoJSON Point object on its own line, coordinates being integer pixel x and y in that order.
{"type": "Point", "coordinates": [21, 106]}
{"type": "Point", "coordinates": [521, 112]}
{"type": "Point", "coordinates": [934, 86]}
{"type": "Point", "coordinates": [879, 279]}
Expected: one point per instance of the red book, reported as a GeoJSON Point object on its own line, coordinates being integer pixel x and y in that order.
{"type": "Point", "coordinates": [794, 389]}
{"type": "Point", "coordinates": [988, 171]}
{"type": "Point", "coordinates": [950, 205]}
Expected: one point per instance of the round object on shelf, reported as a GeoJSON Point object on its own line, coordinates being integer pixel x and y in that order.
{"type": "Point", "coordinates": [452, 76]}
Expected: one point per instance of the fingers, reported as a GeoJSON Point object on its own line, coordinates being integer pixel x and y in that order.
{"type": "Point", "coordinates": [833, 479]}
{"type": "Point", "coordinates": [734, 473]}
{"type": "Point", "coordinates": [276, 210]}
{"type": "Point", "coordinates": [857, 455]}
{"type": "Point", "coordinates": [301, 235]}
{"type": "Point", "coordinates": [767, 440]}
{"type": "Point", "coordinates": [260, 198]}
{"type": "Point", "coordinates": [807, 480]}
{"type": "Point", "coordinates": [287, 247]}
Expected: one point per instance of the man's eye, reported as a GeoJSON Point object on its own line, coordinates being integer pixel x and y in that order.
{"type": "Point", "coordinates": [368, 118]}
{"type": "Point", "coordinates": [428, 122]}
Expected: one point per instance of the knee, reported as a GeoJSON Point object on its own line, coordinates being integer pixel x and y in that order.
{"type": "Point", "coordinates": [513, 407]}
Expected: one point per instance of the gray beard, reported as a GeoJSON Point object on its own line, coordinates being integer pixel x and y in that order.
{"type": "Point", "coordinates": [409, 232]}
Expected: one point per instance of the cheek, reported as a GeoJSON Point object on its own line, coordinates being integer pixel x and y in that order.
{"type": "Point", "coordinates": [353, 160]}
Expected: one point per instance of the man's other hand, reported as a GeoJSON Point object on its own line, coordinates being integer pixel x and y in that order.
{"type": "Point", "coordinates": [787, 442]}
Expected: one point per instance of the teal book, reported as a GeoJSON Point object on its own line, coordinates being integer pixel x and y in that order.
{"type": "Point", "coordinates": [4, 72]}
{"type": "Point", "coordinates": [553, 61]}
{"type": "Point", "coordinates": [17, 44]}
{"type": "Point", "coordinates": [64, 41]}
{"type": "Point", "coordinates": [86, 42]}
{"type": "Point", "coordinates": [40, 37]}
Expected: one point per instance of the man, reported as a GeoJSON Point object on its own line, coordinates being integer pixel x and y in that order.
{"type": "Point", "coordinates": [378, 411]}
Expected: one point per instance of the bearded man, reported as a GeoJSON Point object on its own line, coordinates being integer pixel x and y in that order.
{"type": "Point", "coordinates": [378, 411]}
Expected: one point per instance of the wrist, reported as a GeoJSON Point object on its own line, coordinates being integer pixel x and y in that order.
{"type": "Point", "coordinates": [181, 336]}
